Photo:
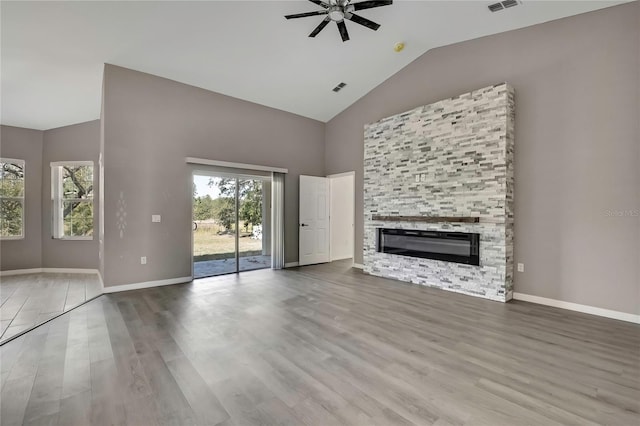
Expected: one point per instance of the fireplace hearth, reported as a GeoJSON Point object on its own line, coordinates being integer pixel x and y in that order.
{"type": "Point", "coordinates": [459, 247]}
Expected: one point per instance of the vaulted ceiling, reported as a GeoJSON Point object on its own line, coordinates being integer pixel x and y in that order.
{"type": "Point", "coordinates": [53, 52]}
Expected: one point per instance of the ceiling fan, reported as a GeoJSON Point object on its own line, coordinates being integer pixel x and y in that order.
{"type": "Point", "coordinates": [338, 11]}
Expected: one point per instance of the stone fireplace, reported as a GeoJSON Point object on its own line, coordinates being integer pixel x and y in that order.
{"type": "Point", "coordinates": [434, 177]}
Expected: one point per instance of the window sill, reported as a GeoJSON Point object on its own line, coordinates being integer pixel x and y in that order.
{"type": "Point", "coordinates": [12, 238]}
{"type": "Point", "coordinates": [73, 238]}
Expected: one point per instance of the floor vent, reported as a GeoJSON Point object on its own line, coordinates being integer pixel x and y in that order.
{"type": "Point", "coordinates": [503, 5]}
{"type": "Point", "coordinates": [339, 87]}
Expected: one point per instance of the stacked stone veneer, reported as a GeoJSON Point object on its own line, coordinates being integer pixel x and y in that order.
{"type": "Point", "coordinates": [450, 158]}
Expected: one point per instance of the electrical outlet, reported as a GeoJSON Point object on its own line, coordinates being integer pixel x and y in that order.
{"type": "Point", "coordinates": [520, 267]}
{"type": "Point", "coordinates": [155, 218]}
{"type": "Point", "coordinates": [143, 260]}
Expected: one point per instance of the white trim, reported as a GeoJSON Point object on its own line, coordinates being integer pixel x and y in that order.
{"type": "Point", "coordinates": [353, 223]}
{"type": "Point", "coordinates": [75, 238]}
{"type": "Point", "coordinates": [146, 284]}
{"type": "Point", "coordinates": [20, 272]}
{"type": "Point", "coordinates": [340, 258]}
{"type": "Point", "coordinates": [71, 163]}
{"type": "Point", "coordinates": [204, 161]}
{"type": "Point", "coordinates": [50, 270]}
{"type": "Point", "coordinates": [22, 200]}
{"type": "Point", "coordinates": [357, 265]}
{"type": "Point", "coordinates": [58, 200]}
{"type": "Point", "coordinates": [337, 175]}
{"type": "Point", "coordinates": [608, 313]}
{"type": "Point", "coordinates": [291, 264]}
{"type": "Point", "coordinates": [71, 270]}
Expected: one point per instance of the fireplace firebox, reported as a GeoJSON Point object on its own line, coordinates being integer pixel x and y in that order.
{"type": "Point", "coordinates": [459, 247]}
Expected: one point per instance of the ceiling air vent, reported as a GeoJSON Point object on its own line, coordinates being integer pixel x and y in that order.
{"type": "Point", "coordinates": [339, 87]}
{"type": "Point", "coordinates": [503, 5]}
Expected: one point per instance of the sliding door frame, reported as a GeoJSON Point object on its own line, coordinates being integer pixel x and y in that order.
{"type": "Point", "coordinates": [203, 170]}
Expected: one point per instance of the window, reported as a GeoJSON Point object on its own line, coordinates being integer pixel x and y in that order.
{"type": "Point", "coordinates": [72, 195]}
{"type": "Point", "coordinates": [11, 199]}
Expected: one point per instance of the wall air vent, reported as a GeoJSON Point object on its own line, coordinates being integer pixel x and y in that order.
{"type": "Point", "coordinates": [503, 5]}
{"type": "Point", "coordinates": [339, 87]}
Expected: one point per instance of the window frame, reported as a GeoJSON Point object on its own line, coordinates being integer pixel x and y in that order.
{"type": "Point", "coordinates": [22, 199]}
{"type": "Point", "coordinates": [57, 201]}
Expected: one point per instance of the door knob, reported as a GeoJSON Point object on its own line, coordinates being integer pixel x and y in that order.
{"type": "Point", "coordinates": [303, 224]}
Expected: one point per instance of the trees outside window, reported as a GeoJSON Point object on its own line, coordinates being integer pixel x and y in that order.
{"type": "Point", "coordinates": [12, 189]}
{"type": "Point", "coordinates": [72, 189]}
{"type": "Point", "coordinates": [250, 200]}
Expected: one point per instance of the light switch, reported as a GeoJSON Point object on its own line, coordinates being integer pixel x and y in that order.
{"type": "Point", "coordinates": [155, 218]}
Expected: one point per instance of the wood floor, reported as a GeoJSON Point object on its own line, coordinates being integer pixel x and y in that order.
{"type": "Point", "coordinates": [320, 345]}
{"type": "Point", "coordinates": [31, 299]}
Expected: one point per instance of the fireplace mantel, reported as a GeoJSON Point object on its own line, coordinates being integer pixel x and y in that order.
{"type": "Point", "coordinates": [427, 219]}
{"type": "Point", "coordinates": [436, 219]}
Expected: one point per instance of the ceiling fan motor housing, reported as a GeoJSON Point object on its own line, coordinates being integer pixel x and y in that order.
{"type": "Point", "coordinates": [336, 13]}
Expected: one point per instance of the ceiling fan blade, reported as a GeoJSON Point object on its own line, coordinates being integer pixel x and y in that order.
{"type": "Point", "coordinates": [320, 27]}
{"type": "Point", "coordinates": [320, 3]}
{"type": "Point", "coordinates": [371, 4]}
{"type": "Point", "coordinates": [362, 21]}
{"type": "Point", "coordinates": [342, 27]}
{"type": "Point", "coordinates": [304, 15]}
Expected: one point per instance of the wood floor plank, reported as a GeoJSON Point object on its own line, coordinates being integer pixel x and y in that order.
{"type": "Point", "coordinates": [75, 410]}
{"type": "Point", "coordinates": [206, 407]}
{"type": "Point", "coordinates": [32, 299]}
{"type": "Point", "coordinates": [319, 345]}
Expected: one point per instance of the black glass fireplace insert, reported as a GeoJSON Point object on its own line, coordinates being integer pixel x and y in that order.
{"type": "Point", "coordinates": [459, 247]}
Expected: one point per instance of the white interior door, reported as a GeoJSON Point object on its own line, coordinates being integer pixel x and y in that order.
{"type": "Point", "coordinates": [342, 216]}
{"type": "Point", "coordinates": [314, 220]}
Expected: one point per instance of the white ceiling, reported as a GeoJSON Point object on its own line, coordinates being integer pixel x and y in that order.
{"type": "Point", "coordinates": [53, 52]}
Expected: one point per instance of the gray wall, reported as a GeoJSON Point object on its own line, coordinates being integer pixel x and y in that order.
{"type": "Point", "coordinates": [150, 125]}
{"type": "Point", "coordinates": [25, 144]}
{"type": "Point", "coordinates": [576, 148]}
{"type": "Point", "coordinates": [80, 142]}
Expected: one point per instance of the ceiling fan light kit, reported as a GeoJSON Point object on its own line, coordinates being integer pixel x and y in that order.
{"type": "Point", "coordinates": [340, 10]}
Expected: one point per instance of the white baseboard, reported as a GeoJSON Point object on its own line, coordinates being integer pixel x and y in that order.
{"type": "Point", "coordinates": [20, 272]}
{"type": "Point", "coordinates": [608, 313]}
{"type": "Point", "coordinates": [291, 265]}
{"type": "Point", "coordinates": [358, 265]}
{"type": "Point", "coordinates": [146, 284]}
{"type": "Point", "coordinates": [70, 271]}
{"type": "Point", "coordinates": [49, 270]}
{"type": "Point", "coordinates": [340, 258]}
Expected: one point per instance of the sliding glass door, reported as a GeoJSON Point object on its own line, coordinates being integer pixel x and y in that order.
{"type": "Point", "coordinates": [231, 224]}
{"type": "Point", "coordinates": [254, 211]}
